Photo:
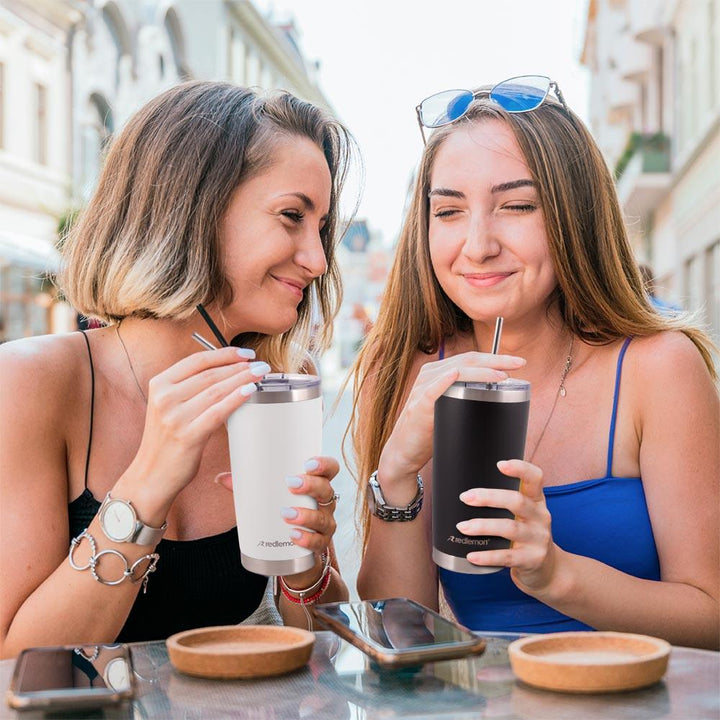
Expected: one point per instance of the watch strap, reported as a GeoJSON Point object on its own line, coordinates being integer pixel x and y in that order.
{"type": "Point", "coordinates": [389, 513]}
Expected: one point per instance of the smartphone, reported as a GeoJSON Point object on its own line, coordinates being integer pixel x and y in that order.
{"type": "Point", "coordinates": [70, 677]}
{"type": "Point", "coordinates": [398, 632]}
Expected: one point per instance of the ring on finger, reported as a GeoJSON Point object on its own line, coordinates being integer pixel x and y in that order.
{"type": "Point", "coordinates": [335, 497]}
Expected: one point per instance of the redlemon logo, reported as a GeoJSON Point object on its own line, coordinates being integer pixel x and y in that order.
{"type": "Point", "coordinates": [275, 543]}
{"type": "Point", "coordinates": [479, 542]}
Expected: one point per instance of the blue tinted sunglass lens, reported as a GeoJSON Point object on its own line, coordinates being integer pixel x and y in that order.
{"type": "Point", "coordinates": [445, 107]}
{"type": "Point", "coordinates": [457, 106]}
{"type": "Point", "coordinates": [521, 94]}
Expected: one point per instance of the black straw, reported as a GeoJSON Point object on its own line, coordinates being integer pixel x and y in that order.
{"type": "Point", "coordinates": [212, 326]}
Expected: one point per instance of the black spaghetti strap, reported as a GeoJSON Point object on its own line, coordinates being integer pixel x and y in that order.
{"type": "Point", "coordinates": [92, 407]}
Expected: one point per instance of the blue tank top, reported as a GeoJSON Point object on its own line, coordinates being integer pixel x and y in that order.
{"type": "Point", "coordinates": [605, 519]}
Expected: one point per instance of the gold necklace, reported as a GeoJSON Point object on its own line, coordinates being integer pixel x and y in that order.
{"type": "Point", "coordinates": [130, 365]}
{"type": "Point", "coordinates": [561, 392]}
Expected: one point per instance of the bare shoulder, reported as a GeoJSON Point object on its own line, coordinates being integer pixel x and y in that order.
{"type": "Point", "coordinates": [667, 378]}
{"type": "Point", "coordinates": [667, 357]}
{"type": "Point", "coordinates": [41, 370]}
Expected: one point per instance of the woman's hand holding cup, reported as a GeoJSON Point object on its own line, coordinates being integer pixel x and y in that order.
{"type": "Point", "coordinates": [533, 554]}
{"type": "Point", "coordinates": [409, 447]}
{"type": "Point", "coordinates": [187, 403]}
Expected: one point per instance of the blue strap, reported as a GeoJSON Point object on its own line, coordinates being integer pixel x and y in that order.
{"type": "Point", "coordinates": [611, 439]}
{"type": "Point", "coordinates": [441, 351]}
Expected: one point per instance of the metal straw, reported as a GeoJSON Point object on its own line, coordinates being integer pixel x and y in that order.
{"type": "Point", "coordinates": [496, 338]}
{"type": "Point", "coordinates": [212, 326]}
{"type": "Point", "coordinates": [205, 343]}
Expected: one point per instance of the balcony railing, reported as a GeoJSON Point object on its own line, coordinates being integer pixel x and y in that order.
{"type": "Point", "coordinates": [643, 172]}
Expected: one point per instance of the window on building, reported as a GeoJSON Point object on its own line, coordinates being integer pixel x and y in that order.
{"type": "Point", "coordinates": [95, 133]}
{"type": "Point", "coordinates": [41, 124]}
{"type": "Point", "coordinates": [713, 33]}
{"type": "Point", "coordinates": [175, 34]}
{"type": "Point", "coordinates": [693, 283]}
{"type": "Point", "coordinates": [2, 105]}
{"type": "Point", "coordinates": [712, 278]}
{"type": "Point", "coordinates": [237, 58]}
{"type": "Point", "coordinates": [695, 86]}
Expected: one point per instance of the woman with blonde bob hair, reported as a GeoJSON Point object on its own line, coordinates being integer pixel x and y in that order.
{"type": "Point", "coordinates": [215, 196]}
{"type": "Point", "coordinates": [615, 524]}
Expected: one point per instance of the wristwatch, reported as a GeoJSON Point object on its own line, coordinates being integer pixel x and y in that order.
{"type": "Point", "coordinates": [120, 523]}
{"type": "Point", "coordinates": [379, 508]}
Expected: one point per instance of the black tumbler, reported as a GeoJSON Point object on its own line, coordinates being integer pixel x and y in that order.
{"type": "Point", "coordinates": [476, 425]}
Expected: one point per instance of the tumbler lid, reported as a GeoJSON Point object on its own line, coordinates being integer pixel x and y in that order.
{"type": "Point", "coordinates": [286, 387]}
{"type": "Point", "coordinates": [507, 391]}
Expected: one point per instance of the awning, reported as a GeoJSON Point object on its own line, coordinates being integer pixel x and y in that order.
{"type": "Point", "coordinates": [28, 252]}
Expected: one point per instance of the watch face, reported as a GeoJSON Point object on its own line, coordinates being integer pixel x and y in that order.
{"type": "Point", "coordinates": [118, 520]}
{"type": "Point", "coordinates": [117, 674]}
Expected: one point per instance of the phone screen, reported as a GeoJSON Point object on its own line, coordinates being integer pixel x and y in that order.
{"type": "Point", "coordinates": [71, 676]}
{"type": "Point", "coordinates": [397, 626]}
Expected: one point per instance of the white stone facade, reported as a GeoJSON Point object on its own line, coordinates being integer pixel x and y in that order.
{"type": "Point", "coordinates": [655, 69]}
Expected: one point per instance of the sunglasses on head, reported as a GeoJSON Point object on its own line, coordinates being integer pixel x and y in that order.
{"type": "Point", "coordinates": [515, 95]}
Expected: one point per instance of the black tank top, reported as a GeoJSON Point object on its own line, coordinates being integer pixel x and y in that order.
{"type": "Point", "coordinates": [197, 583]}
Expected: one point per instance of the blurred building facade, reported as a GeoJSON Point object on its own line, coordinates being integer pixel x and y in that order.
{"type": "Point", "coordinates": [364, 263]}
{"type": "Point", "coordinates": [655, 111]}
{"type": "Point", "coordinates": [34, 158]}
{"type": "Point", "coordinates": [71, 73]}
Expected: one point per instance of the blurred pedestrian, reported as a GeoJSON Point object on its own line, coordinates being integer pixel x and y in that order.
{"type": "Point", "coordinates": [514, 214]}
{"type": "Point", "coordinates": [648, 278]}
{"type": "Point", "coordinates": [211, 194]}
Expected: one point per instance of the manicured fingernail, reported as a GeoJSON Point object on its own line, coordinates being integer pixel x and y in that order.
{"type": "Point", "coordinates": [311, 465]}
{"type": "Point", "coordinates": [246, 353]}
{"type": "Point", "coordinates": [248, 389]}
{"type": "Point", "coordinates": [289, 513]}
{"type": "Point", "coordinates": [293, 481]}
{"type": "Point", "coordinates": [219, 475]}
{"type": "Point", "coordinates": [465, 496]}
{"type": "Point", "coordinates": [501, 375]}
{"type": "Point", "coordinates": [259, 368]}
{"type": "Point", "coordinates": [518, 361]}
{"type": "Point", "coordinates": [463, 526]}
{"type": "Point", "coordinates": [295, 534]}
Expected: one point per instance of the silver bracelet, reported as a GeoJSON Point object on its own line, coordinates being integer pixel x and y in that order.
{"type": "Point", "coordinates": [302, 594]}
{"type": "Point", "coordinates": [94, 560]}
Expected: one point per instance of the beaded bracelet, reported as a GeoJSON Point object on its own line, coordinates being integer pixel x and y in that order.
{"type": "Point", "coordinates": [312, 594]}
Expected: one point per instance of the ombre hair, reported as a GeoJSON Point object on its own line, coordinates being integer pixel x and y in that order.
{"type": "Point", "coordinates": [148, 244]}
{"type": "Point", "coordinates": [599, 295]}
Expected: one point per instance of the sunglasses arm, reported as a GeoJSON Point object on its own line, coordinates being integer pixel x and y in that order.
{"type": "Point", "coordinates": [420, 124]}
{"type": "Point", "coordinates": [559, 95]}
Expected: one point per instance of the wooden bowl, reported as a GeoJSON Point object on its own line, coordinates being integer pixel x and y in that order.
{"type": "Point", "coordinates": [589, 662]}
{"type": "Point", "coordinates": [240, 651]}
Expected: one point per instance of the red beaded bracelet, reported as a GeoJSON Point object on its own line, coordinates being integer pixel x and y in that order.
{"type": "Point", "coordinates": [302, 600]}
{"type": "Point", "coordinates": [299, 597]}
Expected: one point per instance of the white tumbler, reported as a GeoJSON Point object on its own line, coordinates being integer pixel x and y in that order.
{"type": "Point", "coordinates": [271, 436]}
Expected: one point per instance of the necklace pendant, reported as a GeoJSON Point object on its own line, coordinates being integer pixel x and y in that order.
{"type": "Point", "coordinates": [563, 391]}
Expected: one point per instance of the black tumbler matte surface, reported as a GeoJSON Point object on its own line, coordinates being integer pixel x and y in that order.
{"type": "Point", "coordinates": [470, 437]}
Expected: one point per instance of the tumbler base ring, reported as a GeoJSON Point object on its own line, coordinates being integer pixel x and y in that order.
{"type": "Point", "coordinates": [460, 564]}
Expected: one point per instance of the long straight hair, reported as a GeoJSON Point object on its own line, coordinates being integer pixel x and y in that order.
{"type": "Point", "coordinates": [148, 244]}
{"type": "Point", "coordinates": [600, 294]}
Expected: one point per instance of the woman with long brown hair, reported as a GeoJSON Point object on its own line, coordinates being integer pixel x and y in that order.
{"type": "Point", "coordinates": [211, 195]}
{"type": "Point", "coordinates": [514, 214]}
